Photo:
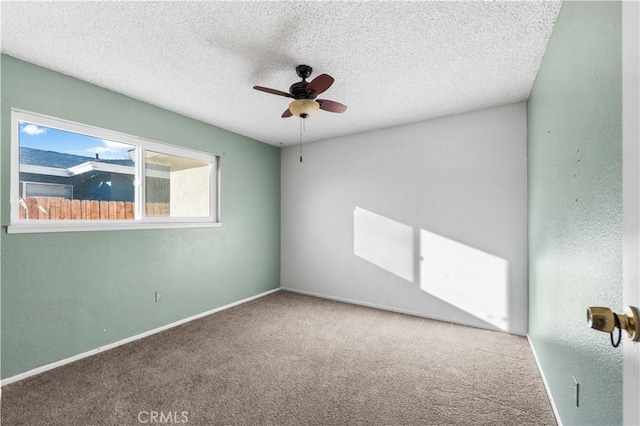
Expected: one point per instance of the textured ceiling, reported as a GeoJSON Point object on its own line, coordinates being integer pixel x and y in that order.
{"type": "Point", "coordinates": [393, 62]}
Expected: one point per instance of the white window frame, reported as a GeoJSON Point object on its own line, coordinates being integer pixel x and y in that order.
{"type": "Point", "coordinates": [140, 221]}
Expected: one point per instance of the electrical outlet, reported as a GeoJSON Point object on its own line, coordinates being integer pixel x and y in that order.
{"type": "Point", "coordinates": [576, 391]}
{"type": "Point", "coordinates": [158, 297]}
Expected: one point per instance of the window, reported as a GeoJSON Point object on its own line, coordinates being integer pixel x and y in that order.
{"type": "Point", "coordinates": [68, 176]}
{"type": "Point", "coordinates": [40, 189]}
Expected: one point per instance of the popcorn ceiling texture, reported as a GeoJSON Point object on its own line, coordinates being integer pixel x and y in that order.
{"type": "Point", "coordinates": [394, 62]}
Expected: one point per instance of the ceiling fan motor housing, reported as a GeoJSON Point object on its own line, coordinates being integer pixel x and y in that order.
{"type": "Point", "coordinates": [299, 91]}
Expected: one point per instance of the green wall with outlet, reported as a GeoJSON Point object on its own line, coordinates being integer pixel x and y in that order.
{"type": "Point", "coordinates": [575, 209]}
{"type": "Point", "coordinates": [67, 293]}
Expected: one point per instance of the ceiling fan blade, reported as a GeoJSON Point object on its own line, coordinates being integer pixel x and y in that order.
{"type": "Point", "coordinates": [320, 84]}
{"type": "Point", "coordinates": [331, 106]}
{"type": "Point", "coordinates": [272, 91]}
{"type": "Point", "coordinates": [286, 114]}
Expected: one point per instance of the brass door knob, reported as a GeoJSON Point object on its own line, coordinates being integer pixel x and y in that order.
{"type": "Point", "coordinates": [604, 319]}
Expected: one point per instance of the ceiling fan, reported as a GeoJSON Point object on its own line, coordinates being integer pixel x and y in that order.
{"type": "Point", "coordinates": [304, 93]}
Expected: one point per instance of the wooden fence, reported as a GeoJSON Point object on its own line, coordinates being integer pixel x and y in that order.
{"type": "Point", "coordinates": [66, 209]}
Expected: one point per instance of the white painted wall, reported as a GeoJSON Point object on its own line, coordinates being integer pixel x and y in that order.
{"type": "Point", "coordinates": [462, 177]}
{"type": "Point", "coordinates": [631, 200]}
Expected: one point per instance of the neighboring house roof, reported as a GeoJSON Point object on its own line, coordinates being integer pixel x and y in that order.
{"type": "Point", "coordinates": [41, 162]}
{"type": "Point", "coordinates": [59, 160]}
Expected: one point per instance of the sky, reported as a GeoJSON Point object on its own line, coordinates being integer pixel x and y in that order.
{"type": "Point", "coordinates": [50, 139]}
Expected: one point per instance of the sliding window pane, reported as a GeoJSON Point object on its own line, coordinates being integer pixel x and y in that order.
{"type": "Point", "coordinates": [176, 186]}
{"type": "Point", "coordinates": [66, 175]}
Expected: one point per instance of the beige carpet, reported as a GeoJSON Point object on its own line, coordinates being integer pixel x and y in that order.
{"type": "Point", "coordinates": [288, 359]}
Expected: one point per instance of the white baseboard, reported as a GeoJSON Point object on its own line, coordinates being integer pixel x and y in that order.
{"type": "Point", "coordinates": [62, 362]}
{"type": "Point", "coordinates": [392, 309]}
{"type": "Point", "coordinates": [546, 385]}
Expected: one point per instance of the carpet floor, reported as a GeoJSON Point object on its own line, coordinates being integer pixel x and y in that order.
{"type": "Point", "coordinates": [288, 359]}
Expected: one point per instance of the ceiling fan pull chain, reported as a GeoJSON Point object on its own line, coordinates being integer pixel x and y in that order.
{"type": "Point", "coordinates": [301, 125]}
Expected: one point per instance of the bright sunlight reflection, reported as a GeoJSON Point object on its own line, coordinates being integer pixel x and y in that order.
{"type": "Point", "coordinates": [467, 278]}
{"type": "Point", "coordinates": [383, 242]}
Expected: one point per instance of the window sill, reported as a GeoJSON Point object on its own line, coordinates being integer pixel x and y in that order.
{"type": "Point", "coordinates": [68, 226]}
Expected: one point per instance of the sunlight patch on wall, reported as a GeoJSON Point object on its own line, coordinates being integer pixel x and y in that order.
{"type": "Point", "coordinates": [384, 242]}
{"type": "Point", "coordinates": [469, 279]}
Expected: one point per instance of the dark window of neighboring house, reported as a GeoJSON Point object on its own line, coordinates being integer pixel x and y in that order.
{"type": "Point", "coordinates": [39, 189]}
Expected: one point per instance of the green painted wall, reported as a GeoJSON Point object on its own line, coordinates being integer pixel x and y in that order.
{"type": "Point", "coordinates": [67, 293]}
{"type": "Point", "coordinates": [575, 209]}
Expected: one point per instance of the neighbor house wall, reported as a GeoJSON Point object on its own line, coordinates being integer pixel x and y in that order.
{"type": "Point", "coordinates": [71, 292]}
{"type": "Point", "coordinates": [193, 200]}
{"type": "Point", "coordinates": [461, 177]}
{"type": "Point", "coordinates": [575, 210]}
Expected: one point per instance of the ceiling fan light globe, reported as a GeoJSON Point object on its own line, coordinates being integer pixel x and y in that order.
{"type": "Point", "coordinates": [304, 107]}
